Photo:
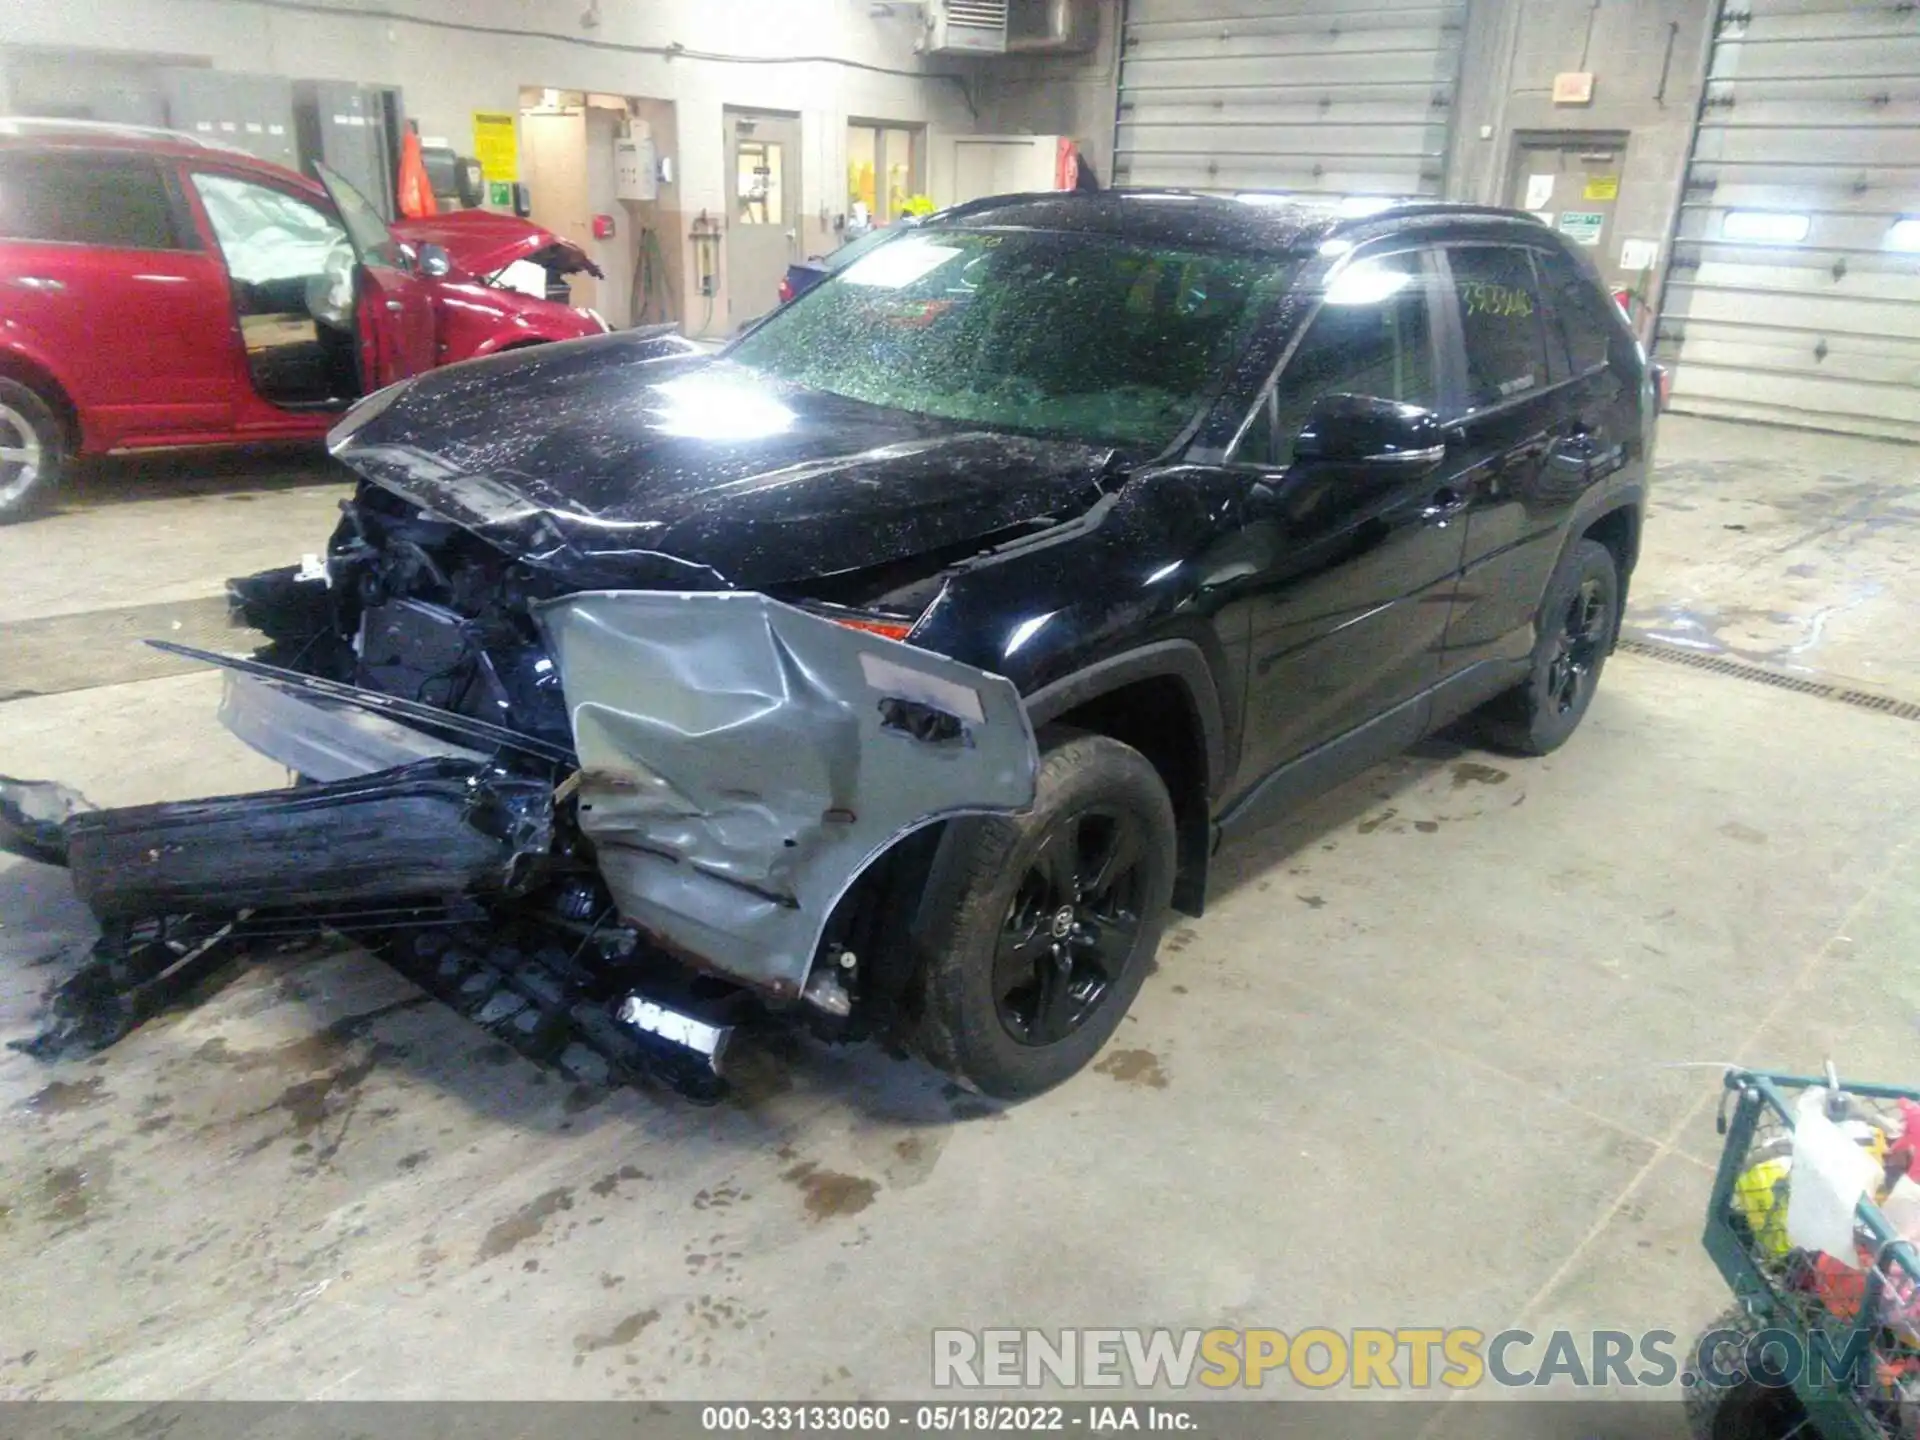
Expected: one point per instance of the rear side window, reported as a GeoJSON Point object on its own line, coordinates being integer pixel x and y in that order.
{"type": "Point", "coordinates": [1578, 319]}
{"type": "Point", "coordinates": [110, 200]}
{"type": "Point", "coordinates": [1500, 323]}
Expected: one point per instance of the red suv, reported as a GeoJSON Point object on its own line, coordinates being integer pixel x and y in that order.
{"type": "Point", "coordinates": [156, 291]}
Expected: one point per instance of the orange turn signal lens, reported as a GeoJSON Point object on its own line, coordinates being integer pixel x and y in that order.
{"type": "Point", "coordinates": [892, 629]}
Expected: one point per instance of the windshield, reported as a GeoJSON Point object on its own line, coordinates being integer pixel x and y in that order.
{"type": "Point", "coordinates": [1088, 336]}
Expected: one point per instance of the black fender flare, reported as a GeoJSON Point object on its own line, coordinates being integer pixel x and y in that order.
{"type": "Point", "coordinates": [1184, 662]}
{"type": "Point", "coordinates": [1180, 660]}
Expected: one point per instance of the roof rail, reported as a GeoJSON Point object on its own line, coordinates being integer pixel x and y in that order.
{"type": "Point", "coordinates": [27, 126]}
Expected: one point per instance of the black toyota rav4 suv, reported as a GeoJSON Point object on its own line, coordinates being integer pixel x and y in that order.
{"type": "Point", "coordinates": [904, 664]}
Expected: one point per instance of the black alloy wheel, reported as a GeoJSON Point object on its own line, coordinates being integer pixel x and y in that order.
{"type": "Point", "coordinates": [1072, 927]}
{"type": "Point", "coordinates": [1585, 628]}
{"type": "Point", "coordinates": [1578, 617]}
{"type": "Point", "coordinates": [1037, 929]}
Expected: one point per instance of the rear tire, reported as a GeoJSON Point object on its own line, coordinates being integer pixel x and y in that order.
{"type": "Point", "coordinates": [1041, 926]}
{"type": "Point", "coordinates": [1579, 617]}
{"type": "Point", "coordinates": [33, 451]}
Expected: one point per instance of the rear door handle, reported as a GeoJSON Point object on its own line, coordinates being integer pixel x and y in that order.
{"type": "Point", "coordinates": [1445, 503]}
{"type": "Point", "coordinates": [1578, 452]}
{"type": "Point", "coordinates": [44, 284]}
{"type": "Point", "coordinates": [395, 306]}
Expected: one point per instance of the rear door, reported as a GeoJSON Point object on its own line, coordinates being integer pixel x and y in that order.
{"type": "Point", "coordinates": [1535, 420]}
{"type": "Point", "coordinates": [103, 272]}
{"type": "Point", "coordinates": [398, 329]}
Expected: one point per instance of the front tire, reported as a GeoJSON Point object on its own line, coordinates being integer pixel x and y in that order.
{"type": "Point", "coordinates": [33, 451]}
{"type": "Point", "coordinates": [1042, 926]}
{"type": "Point", "coordinates": [1579, 617]}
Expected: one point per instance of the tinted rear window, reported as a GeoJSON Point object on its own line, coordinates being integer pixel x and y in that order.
{"type": "Point", "coordinates": [117, 201]}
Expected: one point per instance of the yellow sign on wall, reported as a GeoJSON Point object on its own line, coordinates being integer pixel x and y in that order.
{"type": "Point", "coordinates": [494, 144]}
{"type": "Point", "coordinates": [1603, 187]}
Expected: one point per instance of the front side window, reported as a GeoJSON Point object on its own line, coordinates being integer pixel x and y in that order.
{"type": "Point", "coordinates": [1373, 335]}
{"type": "Point", "coordinates": [1500, 323]}
{"type": "Point", "coordinates": [1086, 336]}
{"type": "Point", "coordinates": [108, 200]}
{"type": "Point", "coordinates": [266, 234]}
{"type": "Point", "coordinates": [373, 242]}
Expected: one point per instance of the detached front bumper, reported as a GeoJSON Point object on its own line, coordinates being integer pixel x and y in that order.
{"type": "Point", "coordinates": [434, 830]}
{"type": "Point", "coordinates": [739, 763]}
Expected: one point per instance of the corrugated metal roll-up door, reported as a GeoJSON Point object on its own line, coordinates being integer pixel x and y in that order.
{"type": "Point", "coordinates": [1288, 95]}
{"type": "Point", "coordinates": [1794, 293]}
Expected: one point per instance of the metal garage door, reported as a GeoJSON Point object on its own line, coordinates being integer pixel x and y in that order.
{"type": "Point", "coordinates": [1795, 289]}
{"type": "Point", "coordinates": [1320, 95]}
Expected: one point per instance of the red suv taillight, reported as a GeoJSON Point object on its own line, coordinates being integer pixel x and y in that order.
{"type": "Point", "coordinates": [786, 290]}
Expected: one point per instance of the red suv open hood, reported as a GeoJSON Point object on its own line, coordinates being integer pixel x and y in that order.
{"type": "Point", "coordinates": [483, 242]}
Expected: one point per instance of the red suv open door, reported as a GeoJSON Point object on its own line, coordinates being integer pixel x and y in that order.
{"type": "Point", "coordinates": [396, 315]}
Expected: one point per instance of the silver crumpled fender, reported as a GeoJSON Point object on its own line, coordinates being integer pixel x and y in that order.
{"type": "Point", "coordinates": [742, 761]}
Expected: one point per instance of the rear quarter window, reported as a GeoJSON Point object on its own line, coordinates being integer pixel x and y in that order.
{"type": "Point", "coordinates": [1580, 322]}
{"type": "Point", "coordinates": [115, 201]}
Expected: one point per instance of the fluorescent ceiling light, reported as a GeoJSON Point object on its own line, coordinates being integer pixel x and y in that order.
{"type": "Point", "coordinates": [1774, 226]}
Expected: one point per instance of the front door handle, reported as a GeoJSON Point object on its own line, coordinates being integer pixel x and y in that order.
{"type": "Point", "coordinates": [42, 283]}
{"type": "Point", "coordinates": [395, 306]}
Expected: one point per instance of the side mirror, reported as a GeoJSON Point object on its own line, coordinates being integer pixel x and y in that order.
{"type": "Point", "coordinates": [1366, 430]}
{"type": "Point", "coordinates": [433, 260]}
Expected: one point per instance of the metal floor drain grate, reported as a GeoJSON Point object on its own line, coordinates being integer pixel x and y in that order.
{"type": "Point", "coordinates": [1740, 670]}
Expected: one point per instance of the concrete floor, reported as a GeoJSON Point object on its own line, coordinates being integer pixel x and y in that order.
{"type": "Point", "coordinates": [1444, 1050]}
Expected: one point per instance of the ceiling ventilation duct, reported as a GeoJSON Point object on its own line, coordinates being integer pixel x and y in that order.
{"type": "Point", "coordinates": [1010, 27]}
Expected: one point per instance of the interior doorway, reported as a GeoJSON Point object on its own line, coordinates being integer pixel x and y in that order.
{"type": "Point", "coordinates": [1571, 183]}
{"type": "Point", "coordinates": [588, 157]}
{"type": "Point", "coordinates": [553, 165]}
{"type": "Point", "coordinates": [763, 226]}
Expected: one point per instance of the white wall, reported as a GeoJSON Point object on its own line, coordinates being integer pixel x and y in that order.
{"type": "Point", "coordinates": [1072, 95]}
{"type": "Point", "coordinates": [1648, 58]}
{"type": "Point", "coordinates": [445, 74]}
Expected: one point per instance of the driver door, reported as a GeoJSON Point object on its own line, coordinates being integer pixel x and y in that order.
{"type": "Point", "coordinates": [396, 319]}
{"type": "Point", "coordinates": [1351, 569]}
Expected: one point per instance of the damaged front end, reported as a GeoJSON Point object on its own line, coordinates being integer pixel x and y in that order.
{"type": "Point", "coordinates": [601, 822]}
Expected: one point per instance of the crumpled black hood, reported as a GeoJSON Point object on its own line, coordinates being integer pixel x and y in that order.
{"type": "Point", "coordinates": [610, 464]}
